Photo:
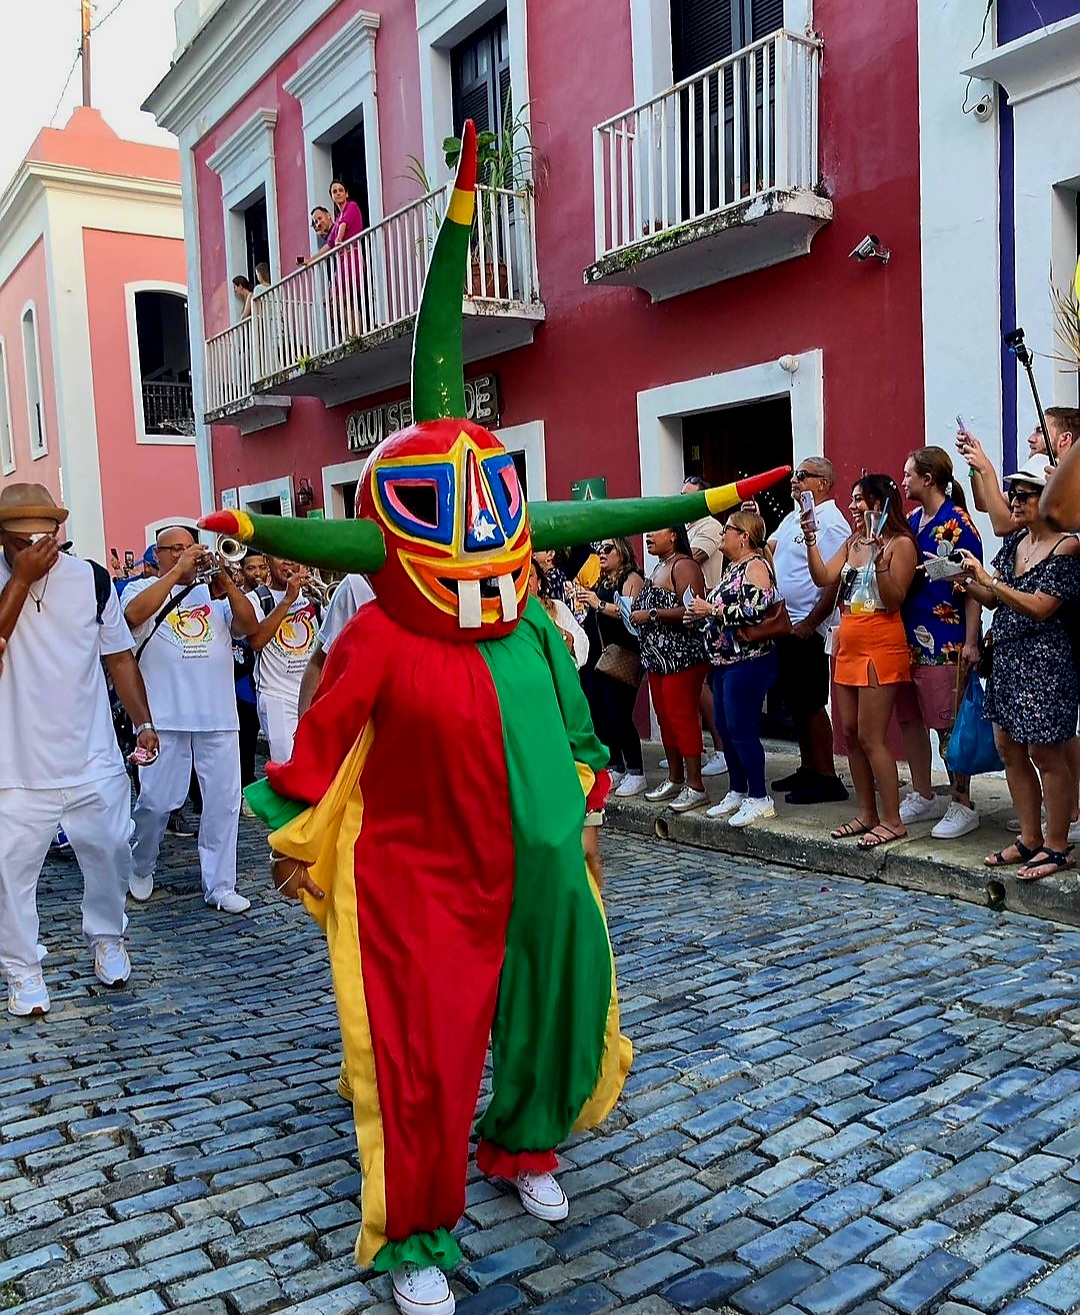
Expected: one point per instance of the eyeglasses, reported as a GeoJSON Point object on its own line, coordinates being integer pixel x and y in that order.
{"type": "Point", "coordinates": [734, 529]}
{"type": "Point", "coordinates": [696, 480]}
{"type": "Point", "coordinates": [606, 548]}
{"type": "Point", "coordinates": [803, 475]}
{"type": "Point", "coordinates": [177, 548]}
{"type": "Point", "coordinates": [1022, 495]}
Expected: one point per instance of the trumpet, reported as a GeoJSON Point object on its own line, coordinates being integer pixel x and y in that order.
{"type": "Point", "coordinates": [226, 552]}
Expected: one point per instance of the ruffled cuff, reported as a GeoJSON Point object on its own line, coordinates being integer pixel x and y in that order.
{"type": "Point", "coordinates": [438, 1248]}
{"type": "Point", "coordinates": [597, 796]}
{"type": "Point", "coordinates": [497, 1163]}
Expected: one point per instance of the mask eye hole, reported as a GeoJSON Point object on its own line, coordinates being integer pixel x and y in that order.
{"type": "Point", "coordinates": [502, 478]}
{"type": "Point", "coordinates": [419, 499]}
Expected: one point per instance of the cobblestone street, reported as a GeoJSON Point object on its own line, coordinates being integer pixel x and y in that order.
{"type": "Point", "coordinates": [845, 1097]}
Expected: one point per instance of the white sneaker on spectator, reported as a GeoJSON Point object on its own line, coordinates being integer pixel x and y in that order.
{"type": "Point", "coordinates": [27, 995]}
{"type": "Point", "coordinates": [958, 821]}
{"type": "Point", "coordinates": [421, 1290]}
{"type": "Point", "coordinates": [632, 783]}
{"type": "Point", "coordinates": [915, 807]}
{"type": "Point", "coordinates": [752, 810]}
{"type": "Point", "coordinates": [689, 799]}
{"type": "Point", "coordinates": [542, 1196]}
{"type": "Point", "coordinates": [716, 766]}
{"type": "Point", "coordinates": [229, 901]}
{"type": "Point", "coordinates": [141, 888]}
{"type": "Point", "coordinates": [616, 776]}
{"type": "Point", "coordinates": [731, 803]}
{"type": "Point", "coordinates": [112, 967]}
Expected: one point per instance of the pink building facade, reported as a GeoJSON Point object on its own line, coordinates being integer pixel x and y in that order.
{"type": "Point", "coordinates": [95, 381]}
{"type": "Point", "coordinates": [662, 278]}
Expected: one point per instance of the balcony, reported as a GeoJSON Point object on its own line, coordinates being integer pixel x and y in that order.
{"type": "Point", "coordinates": [341, 327]}
{"type": "Point", "coordinates": [715, 177]}
{"type": "Point", "coordinates": [167, 408]}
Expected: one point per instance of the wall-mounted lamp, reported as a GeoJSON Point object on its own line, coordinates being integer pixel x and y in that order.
{"type": "Point", "coordinates": [305, 495]}
{"type": "Point", "coordinates": [870, 248]}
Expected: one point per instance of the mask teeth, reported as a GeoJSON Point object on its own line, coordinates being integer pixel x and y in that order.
{"type": "Point", "coordinates": [470, 616]}
{"type": "Point", "coordinates": [508, 598]}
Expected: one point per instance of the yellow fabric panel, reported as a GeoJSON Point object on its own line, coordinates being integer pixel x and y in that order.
{"type": "Point", "coordinates": [586, 776]}
{"type": "Point", "coordinates": [462, 207]}
{"type": "Point", "coordinates": [618, 1053]}
{"type": "Point", "coordinates": [325, 836]}
{"type": "Point", "coordinates": [721, 498]}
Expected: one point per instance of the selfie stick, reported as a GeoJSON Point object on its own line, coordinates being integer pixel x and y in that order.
{"type": "Point", "coordinates": [1015, 343]}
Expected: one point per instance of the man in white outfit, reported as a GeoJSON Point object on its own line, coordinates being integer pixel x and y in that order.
{"type": "Point", "coordinates": [60, 764]}
{"type": "Point", "coordinates": [286, 638]}
{"type": "Point", "coordinates": [184, 640]}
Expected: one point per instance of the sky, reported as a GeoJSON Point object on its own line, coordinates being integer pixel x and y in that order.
{"type": "Point", "coordinates": [129, 56]}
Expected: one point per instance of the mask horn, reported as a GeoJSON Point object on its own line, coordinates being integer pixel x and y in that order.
{"type": "Point", "coordinates": [562, 524]}
{"type": "Point", "coordinates": [350, 545]}
{"type": "Point", "coordinates": [438, 369]}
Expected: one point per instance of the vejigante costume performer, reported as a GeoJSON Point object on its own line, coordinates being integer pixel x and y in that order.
{"type": "Point", "coordinates": [437, 790]}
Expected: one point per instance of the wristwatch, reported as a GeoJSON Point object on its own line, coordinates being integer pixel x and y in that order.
{"type": "Point", "coordinates": [652, 613]}
{"type": "Point", "coordinates": [146, 726]}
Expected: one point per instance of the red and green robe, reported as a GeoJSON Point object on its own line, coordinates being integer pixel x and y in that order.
{"type": "Point", "coordinates": [449, 784]}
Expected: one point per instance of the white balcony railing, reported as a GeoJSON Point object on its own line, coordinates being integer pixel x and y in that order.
{"type": "Point", "coordinates": [370, 284]}
{"type": "Point", "coordinates": [745, 126]}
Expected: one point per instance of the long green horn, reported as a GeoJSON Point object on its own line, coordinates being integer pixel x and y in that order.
{"type": "Point", "coordinates": [562, 524]}
{"type": "Point", "coordinates": [438, 369]}
{"type": "Point", "coordinates": [350, 545]}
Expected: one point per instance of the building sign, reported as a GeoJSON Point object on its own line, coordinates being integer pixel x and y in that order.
{"type": "Point", "coordinates": [585, 490]}
{"type": "Point", "coordinates": [364, 429]}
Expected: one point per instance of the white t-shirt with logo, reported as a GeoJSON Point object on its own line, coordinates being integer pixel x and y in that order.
{"type": "Point", "coordinates": [793, 579]}
{"type": "Point", "coordinates": [56, 728]}
{"type": "Point", "coordinates": [188, 664]}
{"type": "Point", "coordinates": [280, 666]}
{"type": "Point", "coordinates": [352, 593]}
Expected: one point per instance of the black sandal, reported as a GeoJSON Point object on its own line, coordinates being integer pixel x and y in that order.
{"type": "Point", "coordinates": [999, 860]}
{"type": "Point", "coordinates": [1057, 860]}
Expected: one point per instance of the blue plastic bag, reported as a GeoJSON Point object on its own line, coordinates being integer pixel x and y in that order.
{"type": "Point", "coordinates": [971, 746]}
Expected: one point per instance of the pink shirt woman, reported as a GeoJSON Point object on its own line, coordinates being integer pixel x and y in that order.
{"type": "Point", "coordinates": [350, 288]}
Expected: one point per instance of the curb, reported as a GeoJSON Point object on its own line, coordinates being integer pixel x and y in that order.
{"type": "Point", "coordinates": [914, 864]}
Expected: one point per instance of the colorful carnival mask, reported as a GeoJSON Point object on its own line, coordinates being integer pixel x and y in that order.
{"type": "Point", "coordinates": [441, 528]}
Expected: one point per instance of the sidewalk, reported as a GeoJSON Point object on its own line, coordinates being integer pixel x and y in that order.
{"type": "Point", "coordinates": [799, 837]}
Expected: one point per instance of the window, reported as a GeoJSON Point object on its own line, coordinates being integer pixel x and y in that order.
{"type": "Point", "coordinates": [7, 447]}
{"type": "Point", "coordinates": [34, 402]}
{"type": "Point", "coordinates": [705, 31]}
{"type": "Point", "coordinates": [162, 363]}
{"type": "Point", "coordinates": [256, 235]}
{"type": "Point", "coordinates": [348, 160]}
{"type": "Point", "coordinates": [480, 77]}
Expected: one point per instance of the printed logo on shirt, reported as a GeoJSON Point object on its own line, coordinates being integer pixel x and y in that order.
{"type": "Point", "coordinates": [296, 635]}
{"type": "Point", "coordinates": [191, 629]}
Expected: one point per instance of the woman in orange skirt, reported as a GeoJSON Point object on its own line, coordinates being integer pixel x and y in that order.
{"type": "Point", "coordinates": [873, 570]}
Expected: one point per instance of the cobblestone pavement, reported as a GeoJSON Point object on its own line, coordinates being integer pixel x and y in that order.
{"type": "Point", "coordinates": [845, 1098]}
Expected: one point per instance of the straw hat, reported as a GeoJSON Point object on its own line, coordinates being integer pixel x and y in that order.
{"type": "Point", "coordinates": [29, 509]}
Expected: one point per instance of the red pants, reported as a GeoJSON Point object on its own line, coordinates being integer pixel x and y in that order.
{"type": "Point", "coordinates": [677, 700]}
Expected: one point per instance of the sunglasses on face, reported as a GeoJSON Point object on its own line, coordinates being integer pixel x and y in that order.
{"type": "Point", "coordinates": [1022, 495]}
{"type": "Point", "coordinates": [803, 475]}
{"type": "Point", "coordinates": [606, 548]}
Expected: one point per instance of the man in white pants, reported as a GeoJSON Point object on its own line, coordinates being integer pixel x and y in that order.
{"type": "Point", "coordinates": [184, 640]}
{"type": "Point", "coordinates": [286, 637]}
{"type": "Point", "coordinates": [60, 764]}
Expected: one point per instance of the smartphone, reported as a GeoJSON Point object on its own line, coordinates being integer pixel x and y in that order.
{"type": "Point", "coordinates": [806, 498]}
{"type": "Point", "coordinates": [961, 426]}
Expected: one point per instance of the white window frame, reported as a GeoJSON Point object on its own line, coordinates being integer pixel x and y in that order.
{"type": "Point", "coordinates": [529, 438]}
{"type": "Point", "coordinates": [337, 81]}
{"type": "Point", "coordinates": [249, 494]}
{"type": "Point", "coordinates": [441, 25]}
{"type": "Point", "coordinates": [650, 40]}
{"type": "Point", "coordinates": [154, 528]}
{"type": "Point", "coordinates": [37, 450]}
{"type": "Point", "coordinates": [7, 439]}
{"type": "Point", "coordinates": [131, 290]}
{"type": "Point", "coordinates": [245, 165]}
{"type": "Point", "coordinates": [333, 477]}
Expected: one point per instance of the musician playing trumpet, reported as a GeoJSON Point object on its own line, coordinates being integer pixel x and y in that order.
{"type": "Point", "coordinates": [285, 639]}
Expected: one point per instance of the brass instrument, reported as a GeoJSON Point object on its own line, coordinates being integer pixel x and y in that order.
{"type": "Point", "coordinates": [230, 550]}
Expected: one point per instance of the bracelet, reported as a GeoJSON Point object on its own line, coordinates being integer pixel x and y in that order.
{"type": "Point", "coordinates": [810, 540]}
{"type": "Point", "coordinates": [146, 726]}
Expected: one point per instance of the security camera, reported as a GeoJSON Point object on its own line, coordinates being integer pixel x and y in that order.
{"type": "Point", "coordinates": [870, 248]}
{"type": "Point", "coordinates": [983, 109]}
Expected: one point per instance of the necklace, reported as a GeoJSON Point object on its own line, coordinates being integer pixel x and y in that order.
{"type": "Point", "coordinates": [41, 598]}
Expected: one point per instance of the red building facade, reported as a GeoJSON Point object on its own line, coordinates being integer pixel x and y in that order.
{"type": "Point", "coordinates": [662, 282]}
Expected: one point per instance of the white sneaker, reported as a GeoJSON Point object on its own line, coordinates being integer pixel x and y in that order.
{"type": "Point", "coordinates": [631, 784]}
{"type": "Point", "coordinates": [229, 901]}
{"type": "Point", "coordinates": [661, 793]}
{"type": "Point", "coordinates": [615, 776]}
{"type": "Point", "coordinates": [731, 803]}
{"type": "Point", "coordinates": [958, 821]}
{"type": "Point", "coordinates": [716, 766]}
{"type": "Point", "coordinates": [752, 810]}
{"type": "Point", "coordinates": [542, 1196]}
{"type": "Point", "coordinates": [915, 807]}
{"type": "Point", "coordinates": [112, 967]}
{"type": "Point", "coordinates": [141, 888]}
{"type": "Point", "coordinates": [27, 995]}
{"type": "Point", "coordinates": [421, 1290]}
{"type": "Point", "coordinates": [689, 799]}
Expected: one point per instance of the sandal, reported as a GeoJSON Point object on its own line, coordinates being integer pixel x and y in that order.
{"type": "Point", "coordinates": [998, 860]}
{"type": "Point", "coordinates": [874, 839]}
{"type": "Point", "coordinates": [856, 827]}
{"type": "Point", "coordinates": [1055, 860]}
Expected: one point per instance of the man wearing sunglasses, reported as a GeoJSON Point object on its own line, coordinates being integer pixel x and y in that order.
{"type": "Point", "coordinates": [60, 764]}
{"type": "Point", "coordinates": [803, 680]}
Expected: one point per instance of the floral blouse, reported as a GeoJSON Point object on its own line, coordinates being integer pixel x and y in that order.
{"type": "Point", "coordinates": [743, 604]}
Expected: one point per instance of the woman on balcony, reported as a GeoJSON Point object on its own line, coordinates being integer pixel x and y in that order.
{"type": "Point", "coordinates": [351, 294]}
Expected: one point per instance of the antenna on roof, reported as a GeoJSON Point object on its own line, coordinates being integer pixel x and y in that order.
{"type": "Point", "coordinates": [84, 51]}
